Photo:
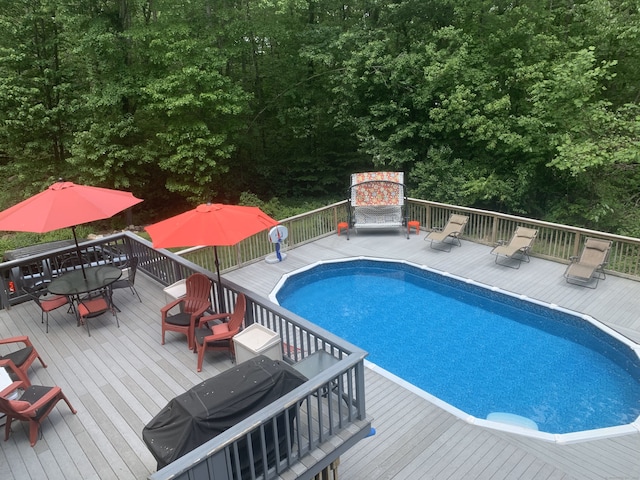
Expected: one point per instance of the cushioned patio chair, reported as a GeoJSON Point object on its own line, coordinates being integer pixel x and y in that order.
{"type": "Point", "coordinates": [33, 405]}
{"type": "Point", "coordinates": [517, 250]}
{"type": "Point", "coordinates": [589, 266]}
{"type": "Point", "coordinates": [22, 358]}
{"type": "Point", "coordinates": [448, 236]}
{"type": "Point", "coordinates": [212, 334]}
{"type": "Point", "coordinates": [47, 302]}
{"type": "Point", "coordinates": [131, 269]}
{"type": "Point", "coordinates": [95, 305]}
{"type": "Point", "coordinates": [190, 308]}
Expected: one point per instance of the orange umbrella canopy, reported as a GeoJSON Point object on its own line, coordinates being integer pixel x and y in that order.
{"type": "Point", "coordinates": [65, 204]}
{"type": "Point", "coordinates": [210, 225]}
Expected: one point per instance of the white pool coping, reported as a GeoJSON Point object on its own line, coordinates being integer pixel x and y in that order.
{"type": "Point", "coordinates": [564, 438]}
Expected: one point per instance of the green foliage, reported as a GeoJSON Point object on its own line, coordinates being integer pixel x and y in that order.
{"type": "Point", "coordinates": [527, 107]}
{"type": "Point", "coordinates": [279, 210]}
{"type": "Point", "coordinates": [442, 178]}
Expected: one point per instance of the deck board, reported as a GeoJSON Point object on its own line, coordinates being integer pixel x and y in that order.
{"type": "Point", "coordinates": [118, 379]}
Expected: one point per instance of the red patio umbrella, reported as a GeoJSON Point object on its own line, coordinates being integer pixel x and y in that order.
{"type": "Point", "coordinates": [63, 205]}
{"type": "Point", "coordinates": [212, 225]}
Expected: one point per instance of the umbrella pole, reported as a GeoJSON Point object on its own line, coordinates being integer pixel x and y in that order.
{"type": "Point", "coordinates": [220, 293]}
{"type": "Point", "coordinates": [75, 239]}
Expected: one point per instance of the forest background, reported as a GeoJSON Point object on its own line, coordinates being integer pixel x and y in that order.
{"type": "Point", "coordinates": [528, 107]}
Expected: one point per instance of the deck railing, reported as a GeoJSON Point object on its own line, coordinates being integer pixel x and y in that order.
{"type": "Point", "coordinates": [329, 406]}
{"type": "Point", "coordinates": [554, 242]}
{"type": "Point", "coordinates": [302, 229]}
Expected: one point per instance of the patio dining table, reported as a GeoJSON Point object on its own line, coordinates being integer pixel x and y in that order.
{"type": "Point", "coordinates": [77, 282]}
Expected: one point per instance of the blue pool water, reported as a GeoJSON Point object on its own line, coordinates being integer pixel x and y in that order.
{"type": "Point", "coordinates": [479, 350]}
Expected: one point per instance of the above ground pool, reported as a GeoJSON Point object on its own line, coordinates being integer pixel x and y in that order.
{"type": "Point", "coordinates": [490, 354]}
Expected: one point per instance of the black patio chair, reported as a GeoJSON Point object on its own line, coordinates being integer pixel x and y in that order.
{"type": "Point", "coordinates": [129, 281]}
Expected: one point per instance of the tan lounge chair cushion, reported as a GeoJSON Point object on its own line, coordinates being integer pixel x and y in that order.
{"type": "Point", "coordinates": [600, 245]}
{"type": "Point", "coordinates": [453, 228]}
{"type": "Point", "coordinates": [581, 270]}
{"type": "Point", "coordinates": [522, 239]}
{"type": "Point", "coordinates": [526, 233]}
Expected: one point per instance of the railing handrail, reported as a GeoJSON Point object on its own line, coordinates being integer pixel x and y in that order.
{"type": "Point", "coordinates": [488, 228]}
{"type": "Point", "coordinates": [529, 221]}
{"type": "Point", "coordinates": [262, 417]}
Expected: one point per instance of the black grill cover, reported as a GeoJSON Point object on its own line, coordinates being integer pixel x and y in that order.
{"type": "Point", "coordinates": [213, 406]}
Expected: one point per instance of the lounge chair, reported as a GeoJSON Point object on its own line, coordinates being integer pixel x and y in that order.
{"type": "Point", "coordinates": [517, 250]}
{"type": "Point", "coordinates": [190, 308]}
{"type": "Point", "coordinates": [590, 264]}
{"type": "Point", "coordinates": [22, 358]}
{"type": "Point", "coordinates": [452, 230]}
{"type": "Point", "coordinates": [219, 335]}
{"type": "Point", "coordinates": [29, 403]}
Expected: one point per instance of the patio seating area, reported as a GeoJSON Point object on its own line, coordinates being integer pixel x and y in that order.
{"type": "Point", "coordinates": [119, 378]}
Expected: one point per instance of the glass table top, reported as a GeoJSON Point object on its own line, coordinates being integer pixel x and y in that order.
{"type": "Point", "coordinates": [83, 281]}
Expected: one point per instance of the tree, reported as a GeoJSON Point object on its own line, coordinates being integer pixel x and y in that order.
{"type": "Point", "coordinates": [36, 92]}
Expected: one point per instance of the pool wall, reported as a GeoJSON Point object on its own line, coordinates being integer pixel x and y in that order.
{"type": "Point", "coordinates": [621, 344]}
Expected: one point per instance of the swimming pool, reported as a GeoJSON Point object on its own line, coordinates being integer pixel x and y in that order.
{"type": "Point", "coordinates": [477, 349]}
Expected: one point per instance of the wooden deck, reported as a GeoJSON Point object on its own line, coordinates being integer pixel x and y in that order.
{"type": "Point", "coordinates": [118, 379]}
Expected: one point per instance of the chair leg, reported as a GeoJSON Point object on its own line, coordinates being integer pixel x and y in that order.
{"type": "Point", "coordinates": [7, 427]}
{"type": "Point", "coordinates": [64, 397]}
{"type": "Point", "coordinates": [34, 428]}
{"type": "Point", "coordinates": [114, 307]}
{"type": "Point", "coordinates": [44, 365]}
{"type": "Point", "coordinates": [200, 349]}
{"type": "Point", "coordinates": [134, 291]}
{"type": "Point", "coordinates": [508, 261]}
